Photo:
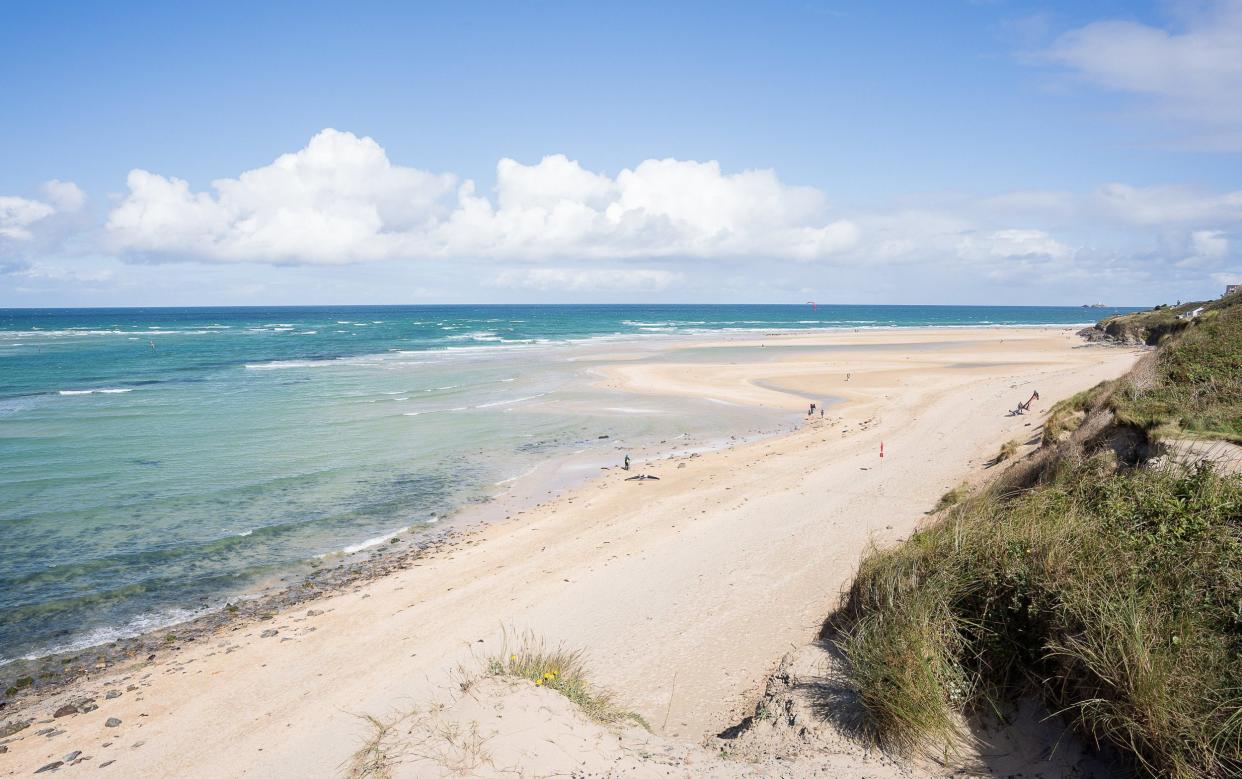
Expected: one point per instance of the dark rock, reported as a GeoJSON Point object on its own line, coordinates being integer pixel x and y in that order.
{"type": "Point", "coordinates": [106, 764]}
{"type": "Point", "coordinates": [112, 694]}
{"type": "Point", "coordinates": [112, 722]}
{"type": "Point", "coordinates": [65, 711]}
{"type": "Point", "coordinates": [268, 633]}
{"type": "Point", "coordinates": [313, 612]}
{"type": "Point", "coordinates": [69, 758]}
{"type": "Point", "coordinates": [50, 767]}
{"type": "Point", "coordinates": [14, 726]}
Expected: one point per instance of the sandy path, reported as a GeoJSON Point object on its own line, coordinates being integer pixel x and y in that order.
{"type": "Point", "coordinates": [710, 574]}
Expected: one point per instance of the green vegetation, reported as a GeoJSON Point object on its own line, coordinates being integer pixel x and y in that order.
{"type": "Point", "coordinates": [1117, 596]}
{"type": "Point", "coordinates": [1109, 588]}
{"type": "Point", "coordinates": [1066, 415]}
{"type": "Point", "coordinates": [561, 670]}
{"type": "Point", "coordinates": [1194, 384]}
{"type": "Point", "coordinates": [1007, 451]}
{"type": "Point", "coordinates": [1148, 327]}
{"type": "Point", "coordinates": [952, 497]}
{"type": "Point", "coordinates": [18, 685]}
{"type": "Point", "coordinates": [1152, 327]}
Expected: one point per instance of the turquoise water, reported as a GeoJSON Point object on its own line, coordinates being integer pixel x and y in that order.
{"type": "Point", "coordinates": [158, 460]}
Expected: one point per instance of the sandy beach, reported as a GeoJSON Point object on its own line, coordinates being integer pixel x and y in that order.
{"type": "Point", "coordinates": [683, 593]}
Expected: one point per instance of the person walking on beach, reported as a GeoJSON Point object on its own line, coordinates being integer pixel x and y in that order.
{"type": "Point", "coordinates": [626, 465]}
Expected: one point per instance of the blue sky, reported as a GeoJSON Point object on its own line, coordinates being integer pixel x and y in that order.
{"type": "Point", "coordinates": [956, 152]}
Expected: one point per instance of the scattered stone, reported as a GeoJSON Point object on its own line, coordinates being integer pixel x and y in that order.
{"type": "Point", "coordinates": [112, 694]}
{"type": "Point", "coordinates": [54, 733]}
{"type": "Point", "coordinates": [69, 758]}
{"type": "Point", "coordinates": [112, 722]}
{"type": "Point", "coordinates": [268, 633]}
{"type": "Point", "coordinates": [106, 764]}
{"type": "Point", "coordinates": [131, 688]}
{"type": "Point", "coordinates": [3, 749]}
{"type": "Point", "coordinates": [137, 744]}
{"type": "Point", "coordinates": [65, 711]}
{"type": "Point", "coordinates": [313, 612]}
{"type": "Point", "coordinates": [14, 726]}
{"type": "Point", "coordinates": [50, 766]}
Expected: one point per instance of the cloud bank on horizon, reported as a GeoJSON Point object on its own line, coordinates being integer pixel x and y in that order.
{"type": "Point", "coordinates": [554, 229]}
{"type": "Point", "coordinates": [340, 200]}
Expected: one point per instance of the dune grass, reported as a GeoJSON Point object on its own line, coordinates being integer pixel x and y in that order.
{"type": "Point", "coordinates": [1112, 590]}
{"type": "Point", "coordinates": [1195, 386]}
{"type": "Point", "coordinates": [951, 497]}
{"type": "Point", "coordinates": [1065, 415]}
{"type": "Point", "coordinates": [1116, 596]}
{"type": "Point", "coordinates": [561, 670]}
{"type": "Point", "coordinates": [372, 760]}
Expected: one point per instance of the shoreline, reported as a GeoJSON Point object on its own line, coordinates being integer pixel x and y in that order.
{"type": "Point", "coordinates": [549, 478]}
{"type": "Point", "coordinates": [852, 411]}
{"type": "Point", "coordinates": [268, 587]}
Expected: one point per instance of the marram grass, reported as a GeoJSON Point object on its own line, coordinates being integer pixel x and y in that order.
{"type": "Point", "coordinates": [561, 670]}
{"type": "Point", "coordinates": [1116, 596]}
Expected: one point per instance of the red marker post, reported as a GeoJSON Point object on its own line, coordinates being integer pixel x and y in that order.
{"type": "Point", "coordinates": [881, 453]}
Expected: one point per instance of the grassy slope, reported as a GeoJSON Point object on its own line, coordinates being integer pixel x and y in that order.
{"type": "Point", "coordinates": [1151, 327]}
{"type": "Point", "coordinates": [1115, 593]}
{"type": "Point", "coordinates": [1195, 385]}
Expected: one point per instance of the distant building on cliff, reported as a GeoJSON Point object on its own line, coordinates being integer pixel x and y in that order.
{"type": "Point", "coordinates": [1231, 288]}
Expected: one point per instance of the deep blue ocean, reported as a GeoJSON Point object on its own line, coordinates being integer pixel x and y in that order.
{"type": "Point", "coordinates": [155, 461]}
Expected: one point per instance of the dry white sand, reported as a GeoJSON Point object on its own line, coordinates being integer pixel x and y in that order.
{"type": "Point", "coordinates": [706, 577]}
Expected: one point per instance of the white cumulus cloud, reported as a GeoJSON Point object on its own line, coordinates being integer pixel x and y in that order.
{"type": "Point", "coordinates": [1012, 244]}
{"type": "Point", "coordinates": [17, 214]}
{"type": "Point", "coordinates": [20, 217]}
{"type": "Point", "coordinates": [590, 279]}
{"type": "Point", "coordinates": [1210, 243]}
{"type": "Point", "coordinates": [341, 200]}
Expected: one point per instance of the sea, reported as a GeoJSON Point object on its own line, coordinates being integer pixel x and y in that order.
{"type": "Point", "coordinates": [156, 462]}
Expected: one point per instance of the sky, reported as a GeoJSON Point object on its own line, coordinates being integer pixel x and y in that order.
{"type": "Point", "coordinates": [965, 152]}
